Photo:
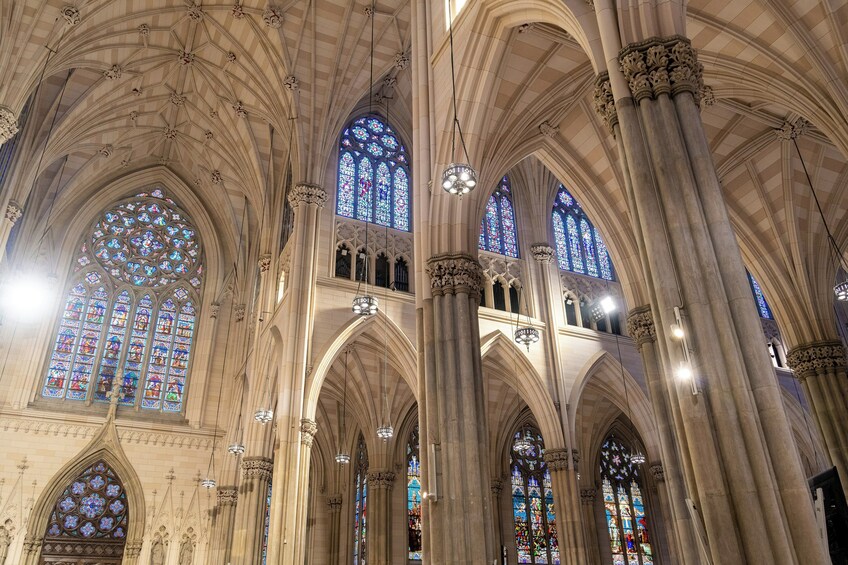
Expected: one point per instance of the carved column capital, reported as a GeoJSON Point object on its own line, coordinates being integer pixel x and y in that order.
{"type": "Point", "coordinates": [816, 358]}
{"type": "Point", "coordinates": [640, 326]}
{"type": "Point", "coordinates": [214, 309]}
{"type": "Point", "coordinates": [587, 496]}
{"type": "Point", "coordinates": [8, 124]}
{"type": "Point", "coordinates": [662, 66]}
{"type": "Point", "coordinates": [227, 496]}
{"type": "Point", "coordinates": [497, 486]}
{"type": "Point", "coordinates": [604, 102]}
{"type": "Point", "coordinates": [32, 546]}
{"type": "Point", "coordinates": [133, 548]}
{"type": "Point", "coordinates": [334, 501]}
{"type": "Point", "coordinates": [542, 253]}
{"type": "Point", "coordinates": [264, 263]}
{"type": "Point", "coordinates": [257, 468]}
{"type": "Point", "coordinates": [381, 479]}
{"type": "Point", "coordinates": [556, 459]}
{"type": "Point", "coordinates": [13, 212]}
{"type": "Point", "coordinates": [657, 472]}
{"type": "Point", "coordinates": [308, 429]}
{"type": "Point", "coordinates": [307, 194]}
{"type": "Point", "coordinates": [455, 274]}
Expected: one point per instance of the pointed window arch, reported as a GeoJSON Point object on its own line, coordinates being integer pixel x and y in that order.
{"type": "Point", "coordinates": [373, 174]}
{"type": "Point", "coordinates": [624, 506]}
{"type": "Point", "coordinates": [579, 245]}
{"type": "Point", "coordinates": [413, 495]}
{"type": "Point", "coordinates": [360, 506]}
{"type": "Point", "coordinates": [536, 538]}
{"type": "Point", "coordinates": [497, 229]}
{"type": "Point", "coordinates": [130, 309]}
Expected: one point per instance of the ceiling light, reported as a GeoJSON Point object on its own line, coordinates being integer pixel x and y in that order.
{"type": "Point", "coordinates": [459, 179]}
{"type": "Point", "coordinates": [385, 432]}
{"type": "Point", "coordinates": [526, 336]}
{"type": "Point", "coordinates": [365, 305]}
{"type": "Point", "coordinates": [342, 458]}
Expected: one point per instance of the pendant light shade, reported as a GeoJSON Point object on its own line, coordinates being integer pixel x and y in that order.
{"type": "Point", "coordinates": [342, 458]}
{"type": "Point", "coordinates": [841, 291]}
{"type": "Point", "coordinates": [385, 432]}
{"type": "Point", "coordinates": [638, 458]}
{"type": "Point", "coordinates": [523, 444]}
{"type": "Point", "coordinates": [236, 449]}
{"type": "Point", "coordinates": [526, 336]}
{"type": "Point", "coordinates": [365, 305]}
{"type": "Point", "coordinates": [263, 415]}
{"type": "Point", "coordinates": [459, 179]}
{"type": "Point", "coordinates": [208, 483]}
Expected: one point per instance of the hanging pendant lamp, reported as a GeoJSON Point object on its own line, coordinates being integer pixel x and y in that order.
{"type": "Point", "coordinates": [342, 456]}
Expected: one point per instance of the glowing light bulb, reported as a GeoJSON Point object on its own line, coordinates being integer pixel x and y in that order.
{"type": "Point", "coordinates": [27, 296]}
{"type": "Point", "coordinates": [608, 304]}
{"type": "Point", "coordinates": [684, 372]}
{"type": "Point", "coordinates": [677, 331]}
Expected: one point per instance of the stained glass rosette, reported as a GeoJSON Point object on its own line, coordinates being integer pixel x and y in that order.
{"type": "Point", "coordinates": [94, 506]}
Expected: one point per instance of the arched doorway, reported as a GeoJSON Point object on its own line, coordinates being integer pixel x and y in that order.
{"type": "Point", "coordinates": [89, 521]}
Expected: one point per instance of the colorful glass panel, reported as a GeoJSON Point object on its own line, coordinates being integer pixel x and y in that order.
{"type": "Point", "coordinates": [93, 506]}
{"type": "Point", "coordinates": [266, 525]}
{"type": "Point", "coordinates": [413, 496]}
{"type": "Point", "coordinates": [497, 229]}
{"type": "Point", "coordinates": [580, 247]}
{"type": "Point", "coordinates": [149, 243]}
{"type": "Point", "coordinates": [533, 512]}
{"type": "Point", "coordinates": [373, 178]}
{"type": "Point", "coordinates": [360, 504]}
{"type": "Point", "coordinates": [624, 506]}
{"type": "Point", "coordinates": [760, 299]}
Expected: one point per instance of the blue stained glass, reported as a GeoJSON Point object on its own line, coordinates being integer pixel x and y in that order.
{"type": "Point", "coordinates": [760, 299]}
{"type": "Point", "coordinates": [82, 511]}
{"type": "Point", "coordinates": [373, 177]}
{"type": "Point", "coordinates": [510, 240]}
{"type": "Point", "coordinates": [360, 504]}
{"type": "Point", "coordinates": [267, 524]}
{"type": "Point", "coordinates": [588, 248]}
{"type": "Point", "coordinates": [413, 496]}
{"type": "Point", "coordinates": [574, 245]}
{"type": "Point", "coordinates": [493, 226]}
{"type": "Point", "coordinates": [157, 367]}
{"type": "Point", "coordinates": [603, 257]}
{"type": "Point", "coordinates": [498, 229]}
{"type": "Point", "coordinates": [561, 248]}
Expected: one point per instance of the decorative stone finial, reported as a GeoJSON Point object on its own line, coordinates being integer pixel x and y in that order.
{"type": "Point", "coordinates": [307, 194]}
{"type": "Point", "coordinates": [817, 358]}
{"type": "Point", "coordinates": [640, 326]}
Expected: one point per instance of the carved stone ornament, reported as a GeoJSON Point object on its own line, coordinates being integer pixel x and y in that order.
{"type": "Point", "coordinates": [208, 135]}
{"type": "Point", "coordinates": [401, 61]}
{"type": "Point", "coordinates": [264, 263]}
{"type": "Point", "coordinates": [497, 486]}
{"type": "Point", "coordinates": [792, 130]}
{"type": "Point", "coordinates": [334, 501]}
{"type": "Point", "coordinates": [291, 83]}
{"type": "Point", "coordinates": [381, 479]}
{"type": "Point", "coordinates": [32, 546]}
{"type": "Point", "coordinates": [227, 496]}
{"type": "Point", "coordinates": [8, 124]}
{"type": "Point", "coordinates": [136, 91]}
{"type": "Point", "coordinates": [542, 253]}
{"type": "Point", "coordinates": [114, 72]}
{"type": "Point", "coordinates": [133, 548]}
{"type": "Point", "coordinates": [214, 309]}
{"type": "Point", "coordinates": [307, 194]}
{"type": "Point", "coordinates": [817, 358]}
{"type": "Point", "coordinates": [257, 468]}
{"type": "Point", "coordinates": [105, 151]}
{"type": "Point", "coordinates": [587, 496]}
{"type": "Point", "coordinates": [455, 274]}
{"type": "Point", "coordinates": [640, 326]}
{"type": "Point", "coordinates": [144, 30]}
{"type": "Point", "coordinates": [169, 132]}
{"type": "Point", "coordinates": [71, 15]}
{"type": "Point", "coordinates": [708, 97]}
{"type": "Point", "coordinates": [13, 212]}
{"type": "Point", "coordinates": [273, 17]}
{"type": "Point", "coordinates": [604, 102]}
{"type": "Point", "coordinates": [134, 115]}
{"type": "Point", "coordinates": [231, 57]}
{"type": "Point", "coordinates": [185, 57]}
{"type": "Point", "coordinates": [657, 472]}
{"type": "Point", "coordinates": [575, 457]}
{"type": "Point", "coordinates": [177, 99]}
{"type": "Point", "coordinates": [239, 109]}
{"type": "Point", "coordinates": [662, 66]}
{"type": "Point", "coordinates": [556, 459]}
{"type": "Point", "coordinates": [308, 429]}
{"type": "Point", "coordinates": [548, 130]}
{"type": "Point", "coordinates": [125, 162]}
{"type": "Point", "coordinates": [195, 12]}
{"type": "Point", "coordinates": [239, 312]}
{"type": "Point", "coordinates": [238, 11]}
{"type": "Point", "coordinates": [217, 177]}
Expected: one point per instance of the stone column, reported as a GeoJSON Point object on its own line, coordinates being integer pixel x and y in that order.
{"type": "Point", "coordinates": [747, 478]}
{"type": "Point", "coordinates": [223, 520]}
{"type": "Point", "coordinates": [497, 489]}
{"type": "Point", "coordinates": [821, 368]}
{"type": "Point", "coordinates": [455, 439]}
{"type": "Point", "coordinates": [11, 216]}
{"type": "Point", "coordinates": [590, 525]}
{"type": "Point", "coordinates": [250, 512]}
{"type": "Point", "coordinates": [334, 503]}
{"type": "Point", "coordinates": [286, 541]}
{"type": "Point", "coordinates": [380, 483]}
{"type": "Point", "coordinates": [572, 548]}
{"type": "Point", "coordinates": [682, 544]}
{"type": "Point", "coordinates": [308, 429]}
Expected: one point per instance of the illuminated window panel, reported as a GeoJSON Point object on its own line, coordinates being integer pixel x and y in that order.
{"type": "Point", "coordinates": [579, 246]}
{"type": "Point", "coordinates": [497, 230]}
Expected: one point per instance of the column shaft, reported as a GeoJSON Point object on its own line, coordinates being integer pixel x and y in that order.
{"type": "Point", "coordinates": [223, 521]}
{"type": "Point", "coordinates": [250, 512]}
{"type": "Point", "coordinates": [379, 533]}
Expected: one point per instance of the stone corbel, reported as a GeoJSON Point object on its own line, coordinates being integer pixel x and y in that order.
{"type": "Point", "coordinates": [812, 359]}
{"type": "Point", "coordinates": [662, 66]}
{"type": "Point", "coordinates": [307, 194]}
{"type": "Point", "coordinates": [542, 253]}
{"type": "Point", "coordinates": [640, 326]}
{"type": "Point", "coordinates": [556, 459]}
{"type": "Point", "coordinates": [257, 468]}
{"type": "Point", "coordinates": [308, 429]}
{"type": "Point", "coordinates": [455, 274]}
{"type": "Point", "coordinates": [381, 479]}
{"type": "Point", "coordinates": [604, 102]}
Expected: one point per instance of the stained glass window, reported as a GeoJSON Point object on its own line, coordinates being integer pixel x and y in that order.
{"type": "Point", "coordinates": [267, 525]}
{"type": "Point", "coordinates": [579, 246]}
{"type": "Point", "coordinates": [360, 486]}
{"type": "Point", "coordinates": [373, 182]}
{"type": "Point", "coordinates": [92, 507]}
{"type": "Point", "coordinates": [759, 298]}
{"type": "Point", "coordinates": [413, 495]}
{"type": "Point", "coordinates": [497, 229]}
{"type": "Point", "coordinates": [130, 309]}
{"type": "Point", "coordinates": [536, 539]}
{"type": "Point", "coordinates": [624, 506]}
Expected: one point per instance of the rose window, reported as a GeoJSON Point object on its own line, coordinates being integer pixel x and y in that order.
{"type": "Point", "coordinates": [94, 506]}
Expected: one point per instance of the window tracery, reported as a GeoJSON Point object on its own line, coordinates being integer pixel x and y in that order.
{"type": "Point", "coordinates": [624, 506]}
{"type": "Point", "coordinates": [413, 496]}
{"type": "Point", "coordinates": [373, 175]}
{"type": "Point", "coordinates": [579, 246]}
{"type": "Point", "coordinates": [497, 228]}
{"type": "Point", "coordinates": [536, 539]}
{"type": "Point", "coordinates": [130, 309]}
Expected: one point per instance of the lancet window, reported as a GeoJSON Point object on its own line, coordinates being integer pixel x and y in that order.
{"type": "Point", "coordinates": [533, 512]}
{"type": "Point", "coordinates": [497, 229]}
{"type": "Point", "coordinates": [360, 506]}
{"type": "Point", "coordinates": [373, 179]}
{"type": "Point", "coordinates": [131, 308]}
{"type": "Point", "coordinates": [624, 506]}
{"type": "Point", "coordinates": [413, 495]}
{"type": "Point", "coordinates": [759, 298]}
{"type": "Point", "coordinates": [579, 246]}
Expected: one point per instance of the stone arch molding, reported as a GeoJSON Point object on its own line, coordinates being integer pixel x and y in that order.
{"type": "Point", "coordinates": [104, 446]}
